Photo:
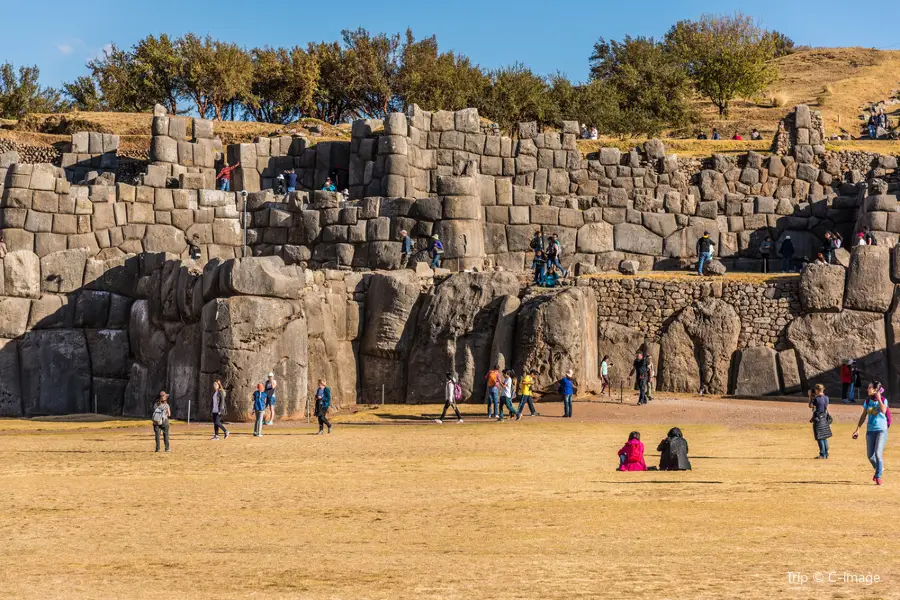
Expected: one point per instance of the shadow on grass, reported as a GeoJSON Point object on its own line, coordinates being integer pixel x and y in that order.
{"type": "Point", "coordinates": [663, 482]}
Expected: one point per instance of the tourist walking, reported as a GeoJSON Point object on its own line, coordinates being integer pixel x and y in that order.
{"type": "Point", "coordinates": [162, 412]}
{"type": "Point", "coordinates": [705, 248]}
{"type": "Point", "coordinates": [566, 389]}
{"type": "Point", "coordinates": [821, 420]}
{"type": "Point", "coordinates": [526, 385]}
{"type": "Point", "coordinates": [787, 255]}
{"type": "Point", "coordinates": [493, 391]}
{"type": "Point", "coordinates": [674, 452]}
{"type": "Point", "coordinates": [640, 370]}
{"type": "Point", "coordinates": [259, 409]}
{"type": "Point", "coordinates": [604, 375]}
{"type": "Point", "coordinates": [218, 409]}
{"type": "Point", "coordinates": [554, 253]}
{"type": "Point", "coordinates": [506, 392]}
{"type": "Point", "coordinates": [877, 416]}
{"type": "Point", "coordinates": [631, 455]}
{"type": "Point", "coordinates": [452, 395]}
{"type": "Point", "coordinates": [271, 390]}
{"type": "Point", "coordinates": [323, 403]}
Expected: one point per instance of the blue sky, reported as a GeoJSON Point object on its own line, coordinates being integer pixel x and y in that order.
{"type": "Point", "coordinates": [547, 36]}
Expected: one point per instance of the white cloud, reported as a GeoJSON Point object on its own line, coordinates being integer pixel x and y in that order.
{"type": "Point", "coordinates": [65, 49]}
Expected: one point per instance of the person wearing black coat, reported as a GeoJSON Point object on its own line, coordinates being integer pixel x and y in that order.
{"type": "Point", "coordinates": [821, 420]}
{"type": "Point", "coordinates": [674, 452]}
{"type": "Point", "coordinates": [787, 254]}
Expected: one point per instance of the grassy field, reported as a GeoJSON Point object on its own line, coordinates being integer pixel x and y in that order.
{"type": "Point", "coordinates": [393, 506]}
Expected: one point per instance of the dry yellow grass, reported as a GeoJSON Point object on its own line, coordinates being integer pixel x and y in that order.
{"type": "Point", "coordinates": [480, 510]}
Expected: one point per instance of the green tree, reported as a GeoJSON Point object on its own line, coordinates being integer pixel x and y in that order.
{"type": "Point", "coordinates": [20, 93]}
{"type": "Point", "coordinates": [116, 76]}
{"type": "Point", "coordinates": [652, 88]}
{"type": "Point", "coordinates": [214, 73]}
{"type": "Point", "coordinates": [158, 69]}
{"type": "Point", "coordinates": [726, 56]}
{"type": "Point", "coordinates": [84, 94]}
{"type": "Point", "coordinates": [517, 94]}
{"type": "Point", "coordinates": [339, 88]}
{"type": "Point", "coordinates": [783, 44]}
{"type": "Point", "coordinates": [437, 81]}
{"type": "Point", "coordinates": [283, 86]}
{"type": "Point", "coordinates": [376, 58]}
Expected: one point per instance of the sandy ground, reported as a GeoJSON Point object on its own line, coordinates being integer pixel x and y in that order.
{"type": "Point", "coordinates": [393, 506]}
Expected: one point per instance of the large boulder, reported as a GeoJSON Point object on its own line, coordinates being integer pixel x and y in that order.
{"type": "Point", "coordinates": [697, 347]}
{"type": "Point", "coordinates": [503, 344]}
{"type": "Point", "coordinates": [822, 287]}
{"type": "Point", "coordinates": [10, 385]}
{"type": "Point", "coordinates": [13, 316]}
{"type": "Point", "coordinates": [869, 284]}
{"type": "Point", "coordinates": [594, 238]}
{"type": "Point", "coordinates": [245, 337]}
{"type": "Point", "coordinates": [620, 343]}
{"type": "Point", "coordinates": [261, 276]}
{"type": "Point", "coordinates": [630, 237]}
{"type": "Point", "coordinates": [556, 333]}
{"type": "Point", "coordinates": [109, 351]}
{"type": "Point", "coordinates": [183, 375]}
{"type": "Point", "coordinates": [63, 272]}
{"type": "Point", "coordinates": [757, 372]}
{"type": "Point", "coordinates": [56, 372]}
{"type": "Point", "coordinates": [391, 310]}
{"type": "Point", "coordinates": [823, 342]}
{"type": "Point", "coordinates": [791, 383]}
{"type": "Point", "coordinates": [455, 332]}
{"type": "Point", "coordinates": [22, 274]}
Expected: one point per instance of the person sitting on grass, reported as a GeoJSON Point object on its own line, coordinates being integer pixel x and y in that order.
{"type": "Point", "coordinates": [674, 452]}
{"type": "Point", "coordinates": [631, 456]}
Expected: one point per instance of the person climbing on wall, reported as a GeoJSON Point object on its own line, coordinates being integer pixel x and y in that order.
{"type": "Point", "coordinates": [821, 420]}
{"type": "Point", "coordinates": [452, 395]}
{"type": "Point", "coordinates": [877, 417]}
{"type": "Point", "coordinates": [323, 403]}
{"type": "Point", "coordinates": [493, 391]}
{"type": "Point", "coordinates": [271, 391]}
{"type": "Point", "coordinates": [436, 250]}
{"type": "Point", "coordinates": [705, 247]}
{"type": "Point", "coordinates": [640, 371]}
{"type": "Point", "coordinates": [290, 181]}
{"type": "Point", "coordinates": [406, 248]}
{"type": "Point", "coordinates": [224, 176]}
{"type": "Point", "coordinates": [566, 389]}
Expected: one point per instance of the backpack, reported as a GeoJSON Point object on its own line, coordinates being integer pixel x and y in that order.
{"type": "Point", "coordinates": [887, 415]}
{"type": "Point", "coordinates": [457, 392]}
{"type": "Point", "coordinates": [159, 415]}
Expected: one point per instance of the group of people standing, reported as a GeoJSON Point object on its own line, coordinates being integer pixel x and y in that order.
{"type": "Point", "coordinates": [875, 414]}
{"type": "Point", "coordinates": [546, 262]}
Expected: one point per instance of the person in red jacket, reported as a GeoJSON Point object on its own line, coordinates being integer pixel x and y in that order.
{"type": "Point", "coordinates": [631, 456]}
{"type": "Point", "coordinates": [848, 376]}
{"type": "Point", "coordinates": [225, 177]}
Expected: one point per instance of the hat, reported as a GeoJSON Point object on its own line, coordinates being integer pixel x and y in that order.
{"type": "Point", "coordinates": [787, 237]}
{"type": "Point", "coordinates": [260, 387]}
{"type": "Point", "coordinates": [569, 373]}
{"type": "Point", "coordinates": [434, 237]}
{"type": "Point", "coordinates": [271, 374]}
{"type": "Point", "coordinates": [850, 361]}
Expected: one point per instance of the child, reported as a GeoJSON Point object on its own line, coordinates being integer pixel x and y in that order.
{"type": "Point", "coordinates": [631, 456]}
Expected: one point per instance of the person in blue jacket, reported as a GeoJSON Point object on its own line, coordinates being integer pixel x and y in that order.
{"type": "Point", "coordinates": [323, 403]}
{"type": "Point", "coordinates": [259, 408]}
{"type": "Point", "coordinates": [290, 180]}
{"type": "Point", "coordinates": [567, 390]}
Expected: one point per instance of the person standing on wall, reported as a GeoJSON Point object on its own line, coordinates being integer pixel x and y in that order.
{"type": "Point", "coordinates": [271, 388]}
{"type": "Point", "coordinates": [224, 177]}
{"type": "Point", "coordinates": [259, 409]}
{"type": "Point", "coordinates": [705, 248]}
{"type": "Point", "coordinates": [436, 249]}
{"type": "Point", "coordinates": [554, 252]}
{"type": "Point", "coordinates": [493, 391]}
{"type": "Point", "coordinates": [290, 180]}
{"type": "Point", "coordinates": [639, 368]}
{"type": "Point", "coordinates": [452, 395]}
{"type": "Point", "coordinates": [323, 403]}
{"type": "Point", "coordinates": [821, 420]}
{"type": "Point", "coordinates": [506, 391]}
{"type": "Point", "coordinates": [878, 419]}
{"type": "Point", "coordinates": [162, 412]}
{"type": "Point", "coordinates": [787, 255]}
{"type": "Point", "coordinates": [566, 389]}
{"type": "Point", "coordinates": [218, 409]}
{"type": "Point", "coordinates": [406, 248]}
{"type": "Point", "coordinates": [526, 386]}
{"type": "Point", "coordinates": [765, 252]}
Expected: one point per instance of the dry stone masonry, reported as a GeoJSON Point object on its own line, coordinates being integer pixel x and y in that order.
{"type": "Point", "coordinates": [111, 291]}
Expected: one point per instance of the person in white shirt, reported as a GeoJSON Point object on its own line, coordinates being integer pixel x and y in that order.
{"type": "Point", "coordinates": [506, 392]}
{"type": "Point", "coordinates": [450, 388]}
{"type": "Point", "coordinates": [218, 409]}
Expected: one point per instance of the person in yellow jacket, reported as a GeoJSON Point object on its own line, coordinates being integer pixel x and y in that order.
{"type": "Point", "coordinates": [525, 390]}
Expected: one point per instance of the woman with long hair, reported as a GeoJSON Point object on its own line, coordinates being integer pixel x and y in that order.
{"type": "Point", "coordinates": [218, 409]}
{"type": "Point", "coordinates": [877, 417]}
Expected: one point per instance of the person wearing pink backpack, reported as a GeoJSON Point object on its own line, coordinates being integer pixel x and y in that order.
{"type": "Point", "coordinates": [452, 394]}
{"type": "Point", "coordinates": [878, 419]}
{"type": "Point", "coordinates": [631, 456]}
